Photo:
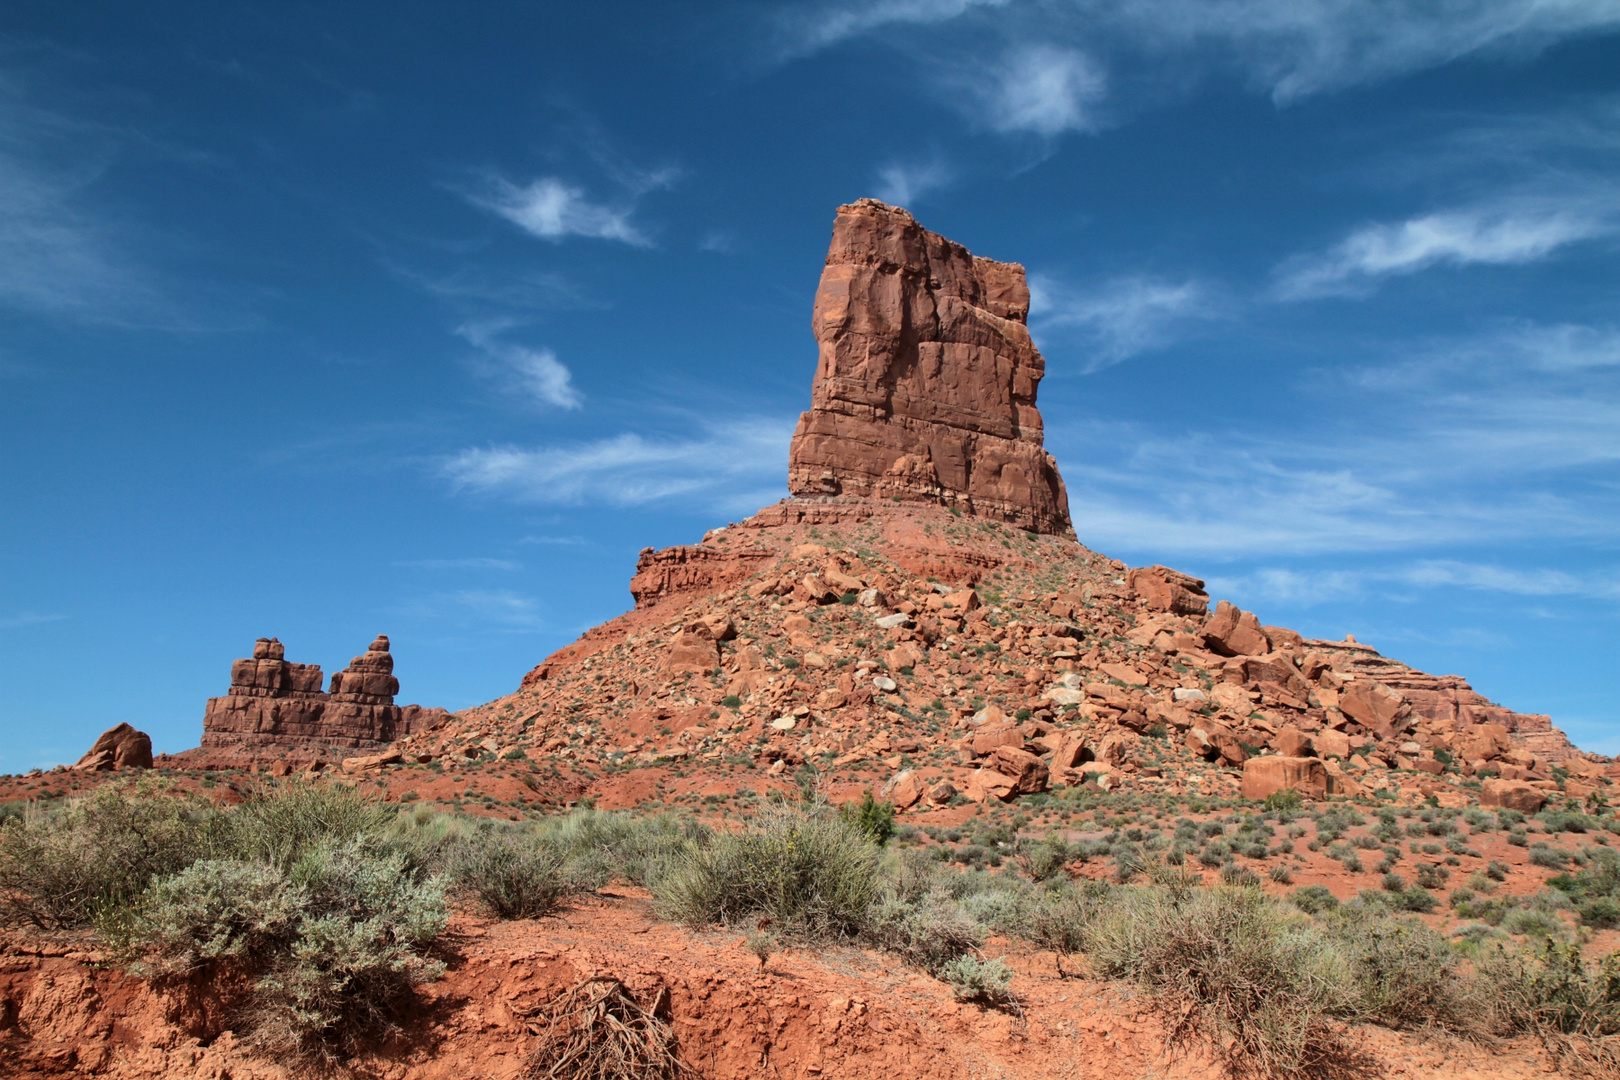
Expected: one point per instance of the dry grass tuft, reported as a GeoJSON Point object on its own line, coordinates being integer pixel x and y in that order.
{"type": "Point", "coordinates": [597, 1031]}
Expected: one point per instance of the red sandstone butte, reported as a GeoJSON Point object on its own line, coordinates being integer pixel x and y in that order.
{"type": "Point", "coordinates": [273, 702]}
{"type": "Point", "coordinates": [925, 386]}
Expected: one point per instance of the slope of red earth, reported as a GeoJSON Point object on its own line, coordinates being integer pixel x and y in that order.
{"type": "Point", "coordinates": [803, 1014]}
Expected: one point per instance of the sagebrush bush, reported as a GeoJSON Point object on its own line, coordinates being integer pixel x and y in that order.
{"type": "Point", "coordinates": [514, 873]}
{"type": "Point", "coordinates": [929, 931]}
{"type": "Point", "coordinates": [1257, 978]}
{"type": "Point", "coordinates": [359, 950]}
{"type": "Point", "coordinates": [1552, 992]}
{"type": "Point", "coordinates": [215, 911]}
{"type": "Point", "coordinates": [91, 859]}
{"type": "Point", "coordinates": [283, 824]}
{"type": "Point", "coordinates": [810, 873]}
{"type": "Point", "coordinates": [1404, 972]}
{"type": "Point", "coordinates": [985, 981]}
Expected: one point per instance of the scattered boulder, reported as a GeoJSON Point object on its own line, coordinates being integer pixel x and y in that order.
{"type": "Point", "coordinates": [1263, 776]}
{"type": "Point", "coordinates": [1028, 772]}
{"type": "Point", "coordinates": [371, 762]}
{"type": "Point", "coordinates": [693, 649]}
{"type": "Point", "coordinates": [904, 789]}
{"type": "Point", "coordinates": [120, 747]}
{"type": "Point", "coordinates": [1164, 589]}
{"type": "Point", "coordinates": [1231, 631]}
{"type": "Point", "coordinates": [1291, 742]}
{"type": "Point", "coordinates": [1373, 705]}
{"type": "Point", "coordinates": [1512, 795]}
{"type": "Point", "coordinates": [1331, 743]}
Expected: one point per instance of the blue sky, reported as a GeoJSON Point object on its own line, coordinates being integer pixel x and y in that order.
{"type": "Point", "coordinates": [325, 320]}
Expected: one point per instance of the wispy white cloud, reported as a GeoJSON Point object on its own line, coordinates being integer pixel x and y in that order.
{"type": "Point", "coordinates": [535, 373]}
{"type": "Point", "coordinates": [556, 541]}
{"type": "Point", "coordinates": [1515, 231]}
{"type": "Point", "coordinates": [1042, 89]}
{"type": "Point", "coordinates": [1487, 440]}
{"type": "Point", "coordinates": [1303, 588]}
{"type": "Point", "coordinates": [805, 30]}
{"type": "Point", "coordinates": [27, 618]}
{"type": "Point", "coordinates": [1562, 347]}
{"type": "Point", "coordinates": [459, 564]}
{"type": "Point", "coordinates": [497, 609]}
{"type": "Point", "coordinates": [902, 183]}
{"type": "Point", "coordinates": [553, 209]}
{"type": "Point", "coordinates": [1306, 47]}
{"type": "Point", "coordinates": [1288, 50]}
{"type": "Point", "coordinates": [1120, 318]}
{"type": "Point", "coordinates": [739, 465]}
{"type": "Point", "coordinates": [59, 255]}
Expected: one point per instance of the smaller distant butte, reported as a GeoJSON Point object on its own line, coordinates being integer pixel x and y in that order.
{"type": "Point", "coordinates": [273, 702]}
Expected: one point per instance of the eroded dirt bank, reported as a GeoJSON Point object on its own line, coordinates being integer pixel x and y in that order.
{"type": "Point", "coordinates": [806, 1014]}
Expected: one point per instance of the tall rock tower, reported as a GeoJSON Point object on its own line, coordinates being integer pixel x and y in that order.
{"type": "Point", "coordinates": [925, 386]}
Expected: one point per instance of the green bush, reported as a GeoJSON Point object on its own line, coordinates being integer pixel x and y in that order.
{"type": "Point", "coordinates": [928, 931]}
{"type": "Point", "coordinates": [1552, 992]}
{"type": "Point", "coordinates": [284, 824]}
{"type": "Point", "coordinates": [985, 981]}
{"type": "Point", "coordinates": [215, 911]}
{"type": "Point", "coordinates": [358, 953]}
{"type": "Point", "coordinates": [514, 873]}
{"type": "Point", "coordinates": [1260, 982]}
{"type": "Point", "coordinates": [1404, 972]}
{"type": "Point", "coordinates": [871, 818]}
{"type": "Point", "coordinates": [331, 947]}
{"type": "Point", "coordinates": [91, 859]}
{"type": "Point", "coordinates": [810, 873]}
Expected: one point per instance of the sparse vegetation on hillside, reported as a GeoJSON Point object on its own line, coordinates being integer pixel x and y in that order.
{"type": "Point", "coordinates": [322, 907]}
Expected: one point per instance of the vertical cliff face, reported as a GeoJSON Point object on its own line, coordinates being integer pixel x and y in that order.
{"type": "Point", "coordinates": [925, 386]}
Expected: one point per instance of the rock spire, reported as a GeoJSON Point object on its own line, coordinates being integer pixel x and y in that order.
{"type": "Point", "coordinates": [925, 386]}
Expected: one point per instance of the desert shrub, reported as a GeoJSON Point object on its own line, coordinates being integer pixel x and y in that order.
{"type": "Point", "coordinates": [602, 845]}
{"type": "Point", "coordinates": [929, 932]}
{"type": "Point", "coordinates": [1404, 972]}
{"type": "Point", "coordinates": [871, 818]}
{"type": "Point", "coordinates": [282, 825]}
{"type": "Point", "coordinates": [514, 873]}
{"type": "Point", "coordinates": [1044, 859]}
{"type": "Point", "coordinates": [1234, 965]}
{"type": "Point", "coordinates": [811, 873]}
{"type": "Point", "coordinates": [1284, 800]}
{"type": "Point", "coordinates": [985, 981]}
{"type": "Point", "coordinates": [329, 948]}
{"type": "Point", "coordinates": [91, 859]}
{"type": "Point", "coordinates": [1552, 992]}
{"type": "Point", "coordinates": [1059, 918]}
{"type": "Point", "coordinates": [359, 950]}
{"type": "Point", "coordinates": [1595, 889]}
{"type": "Point", "coordinates": [1314, 899]}
{"type": "Point", "coordinates": [215, 911]}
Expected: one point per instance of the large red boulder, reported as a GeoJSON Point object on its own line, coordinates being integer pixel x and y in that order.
{"type": "Point", "coordinates": [1272, 773]}
{"type": "Point", "coordinates": [1231, 631]}
{"type": "Point", "coordinates": [120, 747]}
{"type": "Point", "coordinates": [1512, 795]}
{"type": "Point", "coordinates": [1374, 706]}
{"type": "Point", "coordinates": [1164, 589]}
